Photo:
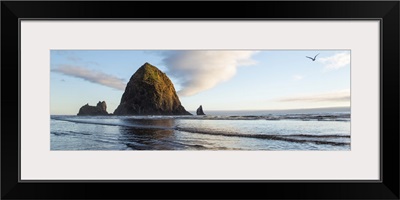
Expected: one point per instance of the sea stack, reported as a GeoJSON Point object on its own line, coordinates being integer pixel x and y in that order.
{"type": "Point", "coordinates": [199, 111]}
{"type": "Point", "coordinates": [100, 109]}
{"type": "Point", "coordinates": [150, 92]}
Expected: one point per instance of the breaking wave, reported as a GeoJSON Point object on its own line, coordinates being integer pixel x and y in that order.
{"type": "Point", "coordinates": [321, 139]}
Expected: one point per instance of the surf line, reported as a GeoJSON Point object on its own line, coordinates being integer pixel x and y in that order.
{"type": "Point", "coordinates": [263, 136]}
{"type": "Point", "coordinates": [117, 124]}
{"type": "Point", "coordinates": [258, 136]}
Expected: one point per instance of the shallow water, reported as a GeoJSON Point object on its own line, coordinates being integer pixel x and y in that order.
{"type": "Point", "coordinates": [283, 132]}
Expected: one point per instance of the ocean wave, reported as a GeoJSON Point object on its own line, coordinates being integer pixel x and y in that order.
{"type": "Point", "coordinates": [288, 138]}
{"type": "Point", "coordinates": [61, 133]}
{"type": "Point", "coordinates": [302, 117]}
{"type": "Point", "coordinates": [321, 139]}
{"type": "Point", "coordinates": [117, 124]}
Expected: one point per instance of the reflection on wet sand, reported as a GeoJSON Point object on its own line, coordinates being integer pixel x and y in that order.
{"type": "Point", "coordinates": [159, 133]}
{"type": "Point", "coordinates": [156, 123]}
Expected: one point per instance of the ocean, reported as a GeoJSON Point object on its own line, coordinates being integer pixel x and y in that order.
{"type": "Point", "coordinates": [219, 130]}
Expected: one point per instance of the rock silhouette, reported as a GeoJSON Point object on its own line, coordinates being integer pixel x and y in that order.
{"type": "Point", "coordinates": [102, 105]}
{"type": "Point", "coordinates": [150, 92]}
{"type": "Point", "coordinates": [100, 109]}
{"type": "Point", "coordinates": [199, 111]}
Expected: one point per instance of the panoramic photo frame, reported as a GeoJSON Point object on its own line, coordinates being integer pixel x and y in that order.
{"type": "Point", "coordinates": [315, 136]}
{"type": "Point", "coordinates": [93, 178]}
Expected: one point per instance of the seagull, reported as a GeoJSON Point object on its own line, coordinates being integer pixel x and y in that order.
{"type": "Point", "coordinates": [313, 59]}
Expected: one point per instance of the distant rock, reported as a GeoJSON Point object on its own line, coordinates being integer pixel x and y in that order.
{"type": "Point", "coordinates": [150, 92]}
{"type": "Point", "coordinates": [199, 111]}
{"type": "Point", "coordinates": [102, 105]}
{"type": "Point", "coordinates": [100, 109]}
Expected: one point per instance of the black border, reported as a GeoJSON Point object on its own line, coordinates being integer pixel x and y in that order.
{"type": "Point", "coordinates": [386, 11]}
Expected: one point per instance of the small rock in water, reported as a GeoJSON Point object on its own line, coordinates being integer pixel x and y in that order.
{"type": "Point", "coordinates": [199, 111]}
{"type": "Point", "coordinates": [100, 109]}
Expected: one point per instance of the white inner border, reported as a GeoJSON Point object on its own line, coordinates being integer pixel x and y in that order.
{"type": "Point", "coordinates": [39, 163]}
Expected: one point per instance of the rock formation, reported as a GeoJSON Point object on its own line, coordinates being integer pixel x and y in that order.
{"type": "Point", "coordinates": [100, 109]}
{"type": "Point", "coordinates": [199, 111]}
{"type": "Point", "coordinates": [102, 105]}
{"type": "Point", "coordinates": [150, 92]}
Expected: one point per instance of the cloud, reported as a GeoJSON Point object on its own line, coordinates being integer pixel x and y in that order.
{"type": "Point", "coordinates": [91, 76]}
{"type": "Point", "coordinates": [197, 71]}
{"type": "Point", "coordinates": [336, 61]}
{"type": "Point", "coordinates": [297, 77]}
{"type": "Point", "coordinates": [335, 96]}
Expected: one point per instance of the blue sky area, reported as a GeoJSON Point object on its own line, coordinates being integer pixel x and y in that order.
{"type": "Point", "coordinates": [218, 80]}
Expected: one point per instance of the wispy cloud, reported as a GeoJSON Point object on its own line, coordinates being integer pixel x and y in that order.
{"type": "Point", "coordinates": [91, 76]}
{"type": "Point", "coordinates": [297, 77]}
{"type": "Point", "coordinates": [198, 71]}
{"type": "Point", "coordinates": [336, 61]}
{"type": "Point", "coordinates": [335, 96]}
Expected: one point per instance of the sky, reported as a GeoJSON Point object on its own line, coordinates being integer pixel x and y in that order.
{"type": "Point", "coordinates": [215, 79]}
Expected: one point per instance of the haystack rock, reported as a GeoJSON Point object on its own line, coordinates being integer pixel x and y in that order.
{"type": "Point", "coordinates": [199, 111]}
{"type": "Point", "coordinates": [150, 92]}
{"type": "Point", "coordinates": [100, 109]}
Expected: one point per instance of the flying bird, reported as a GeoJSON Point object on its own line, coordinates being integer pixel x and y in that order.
{"type": "Point", "coordinates": [313, 59]}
